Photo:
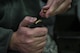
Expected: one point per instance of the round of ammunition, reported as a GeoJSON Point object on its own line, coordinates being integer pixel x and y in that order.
{"type": "Point", "coordinates": [44, 11]}
{"type": "Point", "coordinates": [38, 21]}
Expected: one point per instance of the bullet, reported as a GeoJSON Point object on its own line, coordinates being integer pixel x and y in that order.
{"type": "Point", "coordinates": [38, 21]}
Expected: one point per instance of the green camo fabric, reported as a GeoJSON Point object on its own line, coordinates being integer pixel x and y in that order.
{"type": "Point", "coordinates": [51, 46]}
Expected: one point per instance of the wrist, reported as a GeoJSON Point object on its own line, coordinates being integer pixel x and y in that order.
{"type": "Point", "coordinates": [13, 42]}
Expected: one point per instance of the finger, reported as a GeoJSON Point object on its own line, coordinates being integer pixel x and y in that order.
{"type": "Point", "coordinates": [53, 7]}
{"type": "Point", "coordinates": [42, 14]}
{"type": "Point", "coordinates": [27, 20]}
{"type": "Point", "coordinates": [25, 49]}
{"type": "Point", "coordinates": [41, 44]}
{"type": "Point", "coordinates": [35, 42]}
{"type": "Point", "coordinates": [49, 3]}
{"type": "Point", "coordinates": [38, 32]}
{"type": "Point", "coordinates": [46, 7]}
{"type": "Point", "coordinates": [61, 11]}
{"type": "Point", "coordinates": [63, 7]}
{"type": "Point", "coordinates": [40, 51]}
{"type": "Point", "coordinates": [43, 11]}
{"type": "Point", "coordinates": [39, 40]}
{"type": "Point", "coordinates": [40, 48]}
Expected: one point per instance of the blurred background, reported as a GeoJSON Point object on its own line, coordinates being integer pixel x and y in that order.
{"type": "Point", "coordinates": [66, 29]}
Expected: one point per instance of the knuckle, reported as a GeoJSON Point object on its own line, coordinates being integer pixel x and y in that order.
{"type": "Point", "coordinates": [45, 30]}
{"type": "Point", "coordinates": [29, 33]}
{"type": "Point", "coordinates": [29, 42]}
{"type": "Point", "coordinates": [57, 2]}
{"type": "Point", "coordinates": [25, 19]}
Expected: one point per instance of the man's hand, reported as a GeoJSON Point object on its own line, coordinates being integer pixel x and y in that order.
{"type": "Point", "coordinates": [29, 40]}
{"type": "Point", "coordinates": [54, 7]}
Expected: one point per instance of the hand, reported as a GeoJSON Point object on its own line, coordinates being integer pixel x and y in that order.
{"type": "Point", "coordinates": [54, 7]}
{"type": "Point", "coordinates": [29, 40]}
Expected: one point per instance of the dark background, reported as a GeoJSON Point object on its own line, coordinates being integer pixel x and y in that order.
{"type": "Point", "coordinates": [67, 31]}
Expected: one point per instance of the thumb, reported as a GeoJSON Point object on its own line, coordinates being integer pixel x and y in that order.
{"type": "Point", "coordinates": [27, 20]}
{"type": "Point", "coordinates": [43, 11]}
{"type": "Point", "coordinates": [45, 8]}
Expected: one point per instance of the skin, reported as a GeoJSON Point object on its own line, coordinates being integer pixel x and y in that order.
{"type": "Point", "coordinates": [33, 40]}
{"type": "Point", "coordinates": [54, 7]}
{"type": "Point", "coordinates": [29, 40]}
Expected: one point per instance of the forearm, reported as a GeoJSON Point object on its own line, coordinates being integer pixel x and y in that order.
{"type": "Point", "coordinates": [5, 36]}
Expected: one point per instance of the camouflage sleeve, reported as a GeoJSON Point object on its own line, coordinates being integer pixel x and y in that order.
{"type": "Point", "coordinates": [50, 46]}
